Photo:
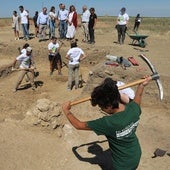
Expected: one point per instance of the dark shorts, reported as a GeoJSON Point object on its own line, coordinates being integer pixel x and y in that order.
{"type": "Point", "coordinates": [55, 58]}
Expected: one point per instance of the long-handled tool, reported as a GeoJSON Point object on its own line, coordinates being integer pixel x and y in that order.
{"type": "Point", "coordinates": [22, 69]}
{"type": "Point", "coordinates": [155, 76]}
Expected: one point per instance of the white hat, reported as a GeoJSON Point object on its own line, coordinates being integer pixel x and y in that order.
{"type": "Point", "coordinates": [29, 49]}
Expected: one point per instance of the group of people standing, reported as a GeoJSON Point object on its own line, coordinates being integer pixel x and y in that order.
{"type": "Point", "coordinates": [88, 19]}
{"type": "Point", "coordinates": [23, 20]}
{"type": "Point", "coordinates": [65, 19]}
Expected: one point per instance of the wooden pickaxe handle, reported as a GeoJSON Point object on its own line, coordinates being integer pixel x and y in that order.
{"type": "Point", "coordinates": [21, 69]}
{"type": "Point", "coordinates": [120, 88]}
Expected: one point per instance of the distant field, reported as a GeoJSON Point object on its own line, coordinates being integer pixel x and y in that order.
{"type": "Point", "coordinates": [157, 25]}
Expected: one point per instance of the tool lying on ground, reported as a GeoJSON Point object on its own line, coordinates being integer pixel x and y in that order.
{"type": "Point", "coordinates": [120, 60]}
{"type": "Point", "coordinates": [133, 61]}
{"type": "Point", "coordinates": [155, 76]}
{"type": "Point", "coordinates": [159, 152]}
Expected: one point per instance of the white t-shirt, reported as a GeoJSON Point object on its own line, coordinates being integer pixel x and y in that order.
{"type": "Point", "coordinates": [75, 54]}
{"type": "Point", "coordinates": [122, 19]}
{"type": "Point", "coordinates": [24, 15]}
{"type": "Point", "coordinates": [25, 61]}
{"type": "Point", "coordinates": [52, 15]}
{"type": "Point", "coordinates": [128, 91]}
{"type": "Point", "coordinates": [53, 47]}
{"type": "Point", "coordinates": [23, 51]}
{"type": "Point", "coordinates": [85, 16]}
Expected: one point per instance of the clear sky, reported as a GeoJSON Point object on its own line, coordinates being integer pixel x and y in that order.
{"type": "Point", "coordinates": [147, 8]}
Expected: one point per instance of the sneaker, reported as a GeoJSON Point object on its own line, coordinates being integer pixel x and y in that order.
{"type": "Point", "coordinates": [68, 89]}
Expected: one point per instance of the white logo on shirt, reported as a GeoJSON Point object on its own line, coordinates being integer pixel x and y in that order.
{"type": "Point", "coordinates": [127, 131]}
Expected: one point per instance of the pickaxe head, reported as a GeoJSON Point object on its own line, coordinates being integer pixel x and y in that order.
{"type": "Point", "coordinates": [155, 76]}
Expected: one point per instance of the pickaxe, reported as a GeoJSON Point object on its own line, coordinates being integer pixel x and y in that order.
{"type": "Point", "coordinates": [155, 76]}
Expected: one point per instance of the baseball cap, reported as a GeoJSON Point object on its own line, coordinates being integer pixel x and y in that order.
{"type": "Point", "coordinates": [29, 49]}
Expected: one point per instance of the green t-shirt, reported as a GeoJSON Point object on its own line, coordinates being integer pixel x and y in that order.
{"type": "Point", "coordinates": [120, 130]}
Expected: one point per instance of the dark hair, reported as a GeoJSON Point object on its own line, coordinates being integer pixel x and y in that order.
{"type": "Point", "coordinates": [52, 8]}
{"type": "Point", "coordinates": [53, 38]}
{"type": "Point", "coordinates": [25, 45]}
{"type": "Point", "coordinates": [21, 7]}
{"type": "Point", "coordinates": [106, 94]}
{"type": "Point", "coordinates": [15, 12]}
{"type": "Point", "coordinates": [74, 43]}
{"type": "Point", "coordinates": [72, 6]}
{"type": "Point", "coordinates": [92, 9]}
{"type": "Point", "coordinates": [138, 15]}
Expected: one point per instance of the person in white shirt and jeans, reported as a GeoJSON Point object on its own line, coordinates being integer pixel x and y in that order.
{"type": "Point", "coordinates": [42, 22]}
{"type": "Point", "coordinates": [24, 22]}
{"type": "Point", "coordinates": [74, 55]}
{"type": "Point", "coordinates": [63, 18]}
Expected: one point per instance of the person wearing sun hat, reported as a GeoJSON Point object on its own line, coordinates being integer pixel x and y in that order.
{"type": "Point", "coordinates": [25, 60]}
{"type": "Point", "coordinates": [121, 26]}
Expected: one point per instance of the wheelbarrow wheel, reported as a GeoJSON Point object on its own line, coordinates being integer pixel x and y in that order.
{"type": "Point", "coordinates": [142, 43]}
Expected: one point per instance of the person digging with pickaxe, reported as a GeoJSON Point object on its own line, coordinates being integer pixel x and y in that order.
{"type": "Point", "coordinates": [118, 126]}
{"type": "Point", "coordinates": [26, 68]}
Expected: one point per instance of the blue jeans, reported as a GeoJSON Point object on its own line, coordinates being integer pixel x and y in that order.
{"type": "Point", "coordinates": [63, 29]}
{"type": "Point", "coordinates": [52, 28]}
{"type": "Point", "coordinates": [25, 30]}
